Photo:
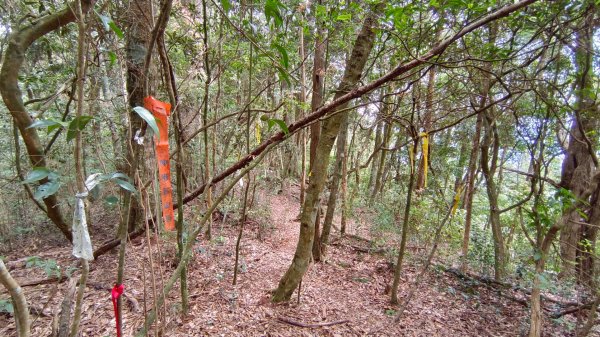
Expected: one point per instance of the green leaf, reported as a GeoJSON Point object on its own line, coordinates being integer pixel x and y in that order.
{"type": "Point", "coordinates": [45, 190]}
{"type": "Point", "coordinates": [344, 17]}
{"type": "Point", "coordinates": [285, 60]}
{"type": "Point", "coordinates": [147, 116]}
{"type": "Point", "coordinates": [283, 76]}
{"type": "Point", "coordinates": [33, 261]}
{"type": "Point", "coordinates": [111, 200]}
{"type": "Point", "coordinates": [120, 179]}
{"type": "Point", "coordinates": [76, 125]}
{"type": "Point", "coordinates": [113, 57]}
{"type": "Point", "coordinates": [105, 21]}
{"type": "Point", "coordinates": [126, 185]}
{"type": "Point", "coordinates": [456, 4]}
{"type": "Point", "coordinates": [37, 174]}
{"type": "Point", "coordinates": [272, 11]}
{"type": "Point", "coordinates": [116, 175]}
{"type": "Point", "coordinates": [321, 12]}
{"type": "Point", "coordinates": [226, 5]}
{"type": "Point", "coordinates": [273, 121]}
{"type": "Point", "coordinates": [116, 29]}
{"type": "Point", "coordinates": [51, 124]}
{"type": "Point", "coordinates": [109, 24]}
{"type": "Point", "coordinates": [6, 306]}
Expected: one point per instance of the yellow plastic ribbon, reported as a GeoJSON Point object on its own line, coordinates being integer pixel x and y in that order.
{"type": "Point", "coordinates": [257, 133]}
{"type": "Point", "coordinates": [456, 199]}
{"type": "Point", "coordinates": [425, 138]}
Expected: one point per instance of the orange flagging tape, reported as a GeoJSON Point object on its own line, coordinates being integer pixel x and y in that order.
{"type": "Point", "coordinates": [161, 111]}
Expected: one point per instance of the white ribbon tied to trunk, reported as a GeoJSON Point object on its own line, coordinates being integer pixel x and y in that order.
{"type": "Point", "coordinates": [82, 244]}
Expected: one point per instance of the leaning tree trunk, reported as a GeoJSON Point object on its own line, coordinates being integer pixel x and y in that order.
{"type": "Point", "coordinates": [21, 310]}
{"type": "Point", "coordinates": [329, 131]}
{"type": "Point", "coordinates": [19, 42]}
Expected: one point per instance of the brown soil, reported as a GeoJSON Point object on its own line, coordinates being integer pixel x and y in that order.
{"type": "Point", "coordinates": [350, 286]}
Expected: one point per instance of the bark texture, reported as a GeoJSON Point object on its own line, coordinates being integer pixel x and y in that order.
{"type": "Point", "coordinates": [578, 164]}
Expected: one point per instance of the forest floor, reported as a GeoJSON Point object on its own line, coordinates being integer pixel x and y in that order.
{"type": "Point", "coordinates": [348, 290]}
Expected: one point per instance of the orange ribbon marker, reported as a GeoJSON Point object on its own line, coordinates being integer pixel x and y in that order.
{"type": "Point", "coordinates": [161, 111]}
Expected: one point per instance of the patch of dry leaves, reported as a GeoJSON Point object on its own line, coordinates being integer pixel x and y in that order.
{"type": "Point", "coordinates": [350, 285]}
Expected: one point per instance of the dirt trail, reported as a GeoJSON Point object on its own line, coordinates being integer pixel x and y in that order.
{"type": "Point", "coordinates": [284, 211]}
{"type": "Point", "coordinates": [349, 286]}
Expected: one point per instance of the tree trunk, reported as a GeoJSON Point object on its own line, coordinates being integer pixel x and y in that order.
{"type": "Point", "coordinates": [376, 154]}
{"type": "Point", "coordinates": [337, 175]}
{"type": "Point", "coordinates": [537, 317]}
{"type": "Point", "coordinates": [19, 42]}
{"type": "Point", "coordinates": [427, 123]}
{"type": "Point", "coordinates": [329, 131]}
{"type": "Point", "coordinates": [21, 309]}
{"type": "Point", "coordinates": [387, 131]}
{"type": "Point", "coordinates": [138, 35]}
{"type": "Point", "coordinates": [318, 77]}
{"type": "Point", "coordinates": [578, 163]}
{"type": "Point", "coordinates": [344, 183]}
{"type": "Point", "coordinates": [301, 137]}
{"type": "Point", "coordinates": [488, 167]}
{"type": "Point", "coordinates": [470, 189]}
{"type": "Point", "coordinates": [405, 219]}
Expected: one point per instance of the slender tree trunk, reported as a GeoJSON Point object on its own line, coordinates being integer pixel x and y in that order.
{"type": "Point", "coordinates": [376, 154]}
{"type": "Point", "coordinates": [427, 124]}
{"type": "Point", "coordinates": [470, 189]}
{"type": "Point", "coordinates": [382, 157]}
{"type": "Point", "coordinates": [330, 129]}
{"type": "Point", "coordinates": [337, 174]}
{"type": "Point", "coordinates": [244, 216]}
{"type": "Point", "coordinates": [205, 116]}
{"type": "Point", "coordinates": [318, 80]}
{"type": "Point", "coordinates": [18, 299]}
{"type": "Point", "coordinates": [302, 100]}
{"type": "Point", "coordinates": [344, 183]}
{"type": "Point", "coordinates": [78, 158]}
{"type": "Point", "coordinates": [405, 228]}
{"type": "Point", "coordinates": [488, 167]}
